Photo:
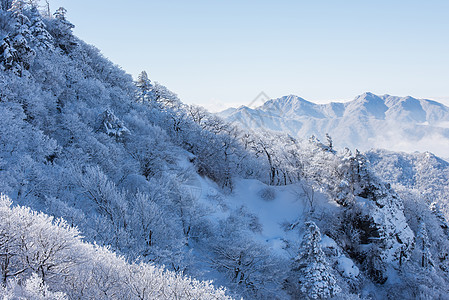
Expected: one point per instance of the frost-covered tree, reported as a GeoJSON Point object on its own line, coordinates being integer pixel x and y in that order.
{"type": "Point", "coordinates": [245, 262]}
{"type": "Point", "coordinates": [25, 54]}
{"type": "Point", "coordinates": [145, 88]}
{"type": "Point", "coordinates": [50, 256]}
{"type": "Point", "coordinates": [155, 94]}
{"type": "Point", "coordinates": [198, 114]}
{"type": "Point", "coordinates": [42, 37]}
{"type": "Point", "coordinates": [5, 4]}
{"type": "Point", "coordinates": [423, 247]}
{"type": "Point", "coordinates": [310, 269]}
{"type": "Point", "coordinates": [436, 210]}
{"type": "Point", "coordinates": [15, 53]}
{"type": "Point", "coordinates": [8, 55]}
{"type": "Point", "coordinates": [330, 143]}
{"type": "Point", "coordinates": [61, 30]}
{"type": "Point", "coordinates": [21, 20]}
{"type": "Point", "coordinates": [165, 97]}
{"type": "Point", "coordinates": [151, 150]}
{"type": "Point", "coordinates": [32, 288]}
{"type": "Point", "coordinates": [33, 243]}
{"type": "Point", "coordinates": [111, 125]}
{"type": "Point", "coordinates": [108, 199]}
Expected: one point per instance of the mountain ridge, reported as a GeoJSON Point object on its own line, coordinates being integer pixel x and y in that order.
{"type": "Point", "coordinates": [367, 121]}
{"type": "Point", "coordinates": [368, 98]}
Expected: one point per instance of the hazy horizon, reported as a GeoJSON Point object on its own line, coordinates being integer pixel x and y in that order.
{"type": "Point", "coordinates": [443, 100]}
{"type": "Point", "coordinates": [224, 54]}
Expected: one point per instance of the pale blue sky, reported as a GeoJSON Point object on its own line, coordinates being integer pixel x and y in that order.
{"type": "Point", "coordinates": [222, 53]}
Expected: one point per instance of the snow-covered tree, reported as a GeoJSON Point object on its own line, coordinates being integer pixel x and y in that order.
{"type": "Point", "coordinates": [111, 125]}
{"type": "Point", "coordinates": [25, 54]}
{"type": "Point", "coordinates": [330, 143]}
{"type": "Point", "coordinates": [5, 4]}
{"type": "Point", "coordinates": [145, 88]}
{"type": "Point", "coordinates": [15, 53]}
{"type": "Point", "coordinates": [423, 246]}
{"type": "Point", "coordinates": [22, 22]}
{"type": "Point", "coordinates": [49, 255]}
{"type": "Point", "coordinates": [8, 55]}
{"type": "Point", "coordinates": [108, 200]}
{"type": "Point", "coordinates": [198, 114]}
{"type": "Point", "coordinates": [61, 30]}
{"type": "Point", "coordinates": [32, 288]}
{"type": "Point", "coordinates": [436, 210]}
{"type": "Point", "coordinates": [244, 261]}
{"type": "Point", "coordinates": [42, 37]}
{"type": "Point", "coordinates": [310, 269]}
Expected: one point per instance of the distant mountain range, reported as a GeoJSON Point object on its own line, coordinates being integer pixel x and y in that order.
{"type": "Point", "coordinates": [368, 121]}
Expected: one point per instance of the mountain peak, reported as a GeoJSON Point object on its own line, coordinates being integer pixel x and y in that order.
{"type": "Point", "coordinates": [293, 105]}
{"type": "Point", "coordinates": [288, 100]}
{"type": "Point", "coordinates": [368, 96]}
{"type": "Point", "coordinates": [368, 104]}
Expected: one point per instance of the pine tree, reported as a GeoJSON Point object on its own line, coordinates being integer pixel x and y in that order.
{"type": "Point", "coordinates": [62, 31]}
{"type": "Point", "coordinates": [22, 22]}
{"type": "Point", "coordinates": [15, 53]}
{"type": "Point", "coordinates": [8, 55]}
{"type": "Point", "coordinates": [112, 125]}
{"type": "Point", "coordinates": [314, 277]}
{"type": "Point", "coordinates": [42, 38]}
{"type": "Point", "coordinates": [25, 52]}
{"type": "Point", "coordinates": [5, 4]}
{"type": "Point", "coordinates": [60, 14]}
{"type": "Point", "coordinates": [436, 210]}
{"type": "Point", "coordinates": [423, 246]}
{"type": "Point", "coordinates": [330, 143]}
{"type": "Point", "coordinates": [145, 87]}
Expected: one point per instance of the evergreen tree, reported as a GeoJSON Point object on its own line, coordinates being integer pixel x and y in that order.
{"type": "Point", "coordinates": [22, 22]}
{"type": "Point", "coordinates": [145, 87]}
{"type": "Point", "coordinates": [43, 39]}
{"type": "Point", "coordinates": [112, 125]}
{"type": "Point", "coordinates": [25, 53]}
{"type": "Point", "coordinates": [423, 246]}
{"type": "Point", "coordinates": [330, 143]}
{"type": "Point", "coordinates": [8, 55]}
{"type": "Point", "coordinates": [5, 4]}
{"type": "Point", "coordinates": [62, 31]}
{"type": "Point", "coordinates": [436, 210]}
{"type": "Point", "coordinates": [15, 53]}
{"type": "Point", "coordinates": [313, 272]}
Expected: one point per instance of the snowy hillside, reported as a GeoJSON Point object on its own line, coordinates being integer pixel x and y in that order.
{"type": "Point", "coordinates": [115, 189]}
{"type": "Point", "coordinates": [423, 173]}
{"type": "Point", "coordinates": [368, 121]}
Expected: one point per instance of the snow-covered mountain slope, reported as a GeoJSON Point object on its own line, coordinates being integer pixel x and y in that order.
{"type": "Point", "coordinates": [423, 173]}
{"type": "Point", "coordinates": [158, 185]}
{"type": "Point", "coordinates": [275, 219]}
{"type": "Point", "coordinates": [368, 121]}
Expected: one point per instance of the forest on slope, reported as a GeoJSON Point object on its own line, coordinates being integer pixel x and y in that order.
{"type": "Point", "coordinates": [153, 191]}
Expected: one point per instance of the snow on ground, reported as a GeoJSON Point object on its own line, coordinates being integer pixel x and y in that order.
{"type": "Point", "coordinates": [347, 267]}
{"type": "Point", "coordinates": [285, 207]}
{"type": "Point", "coordinates": [288, 206]}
